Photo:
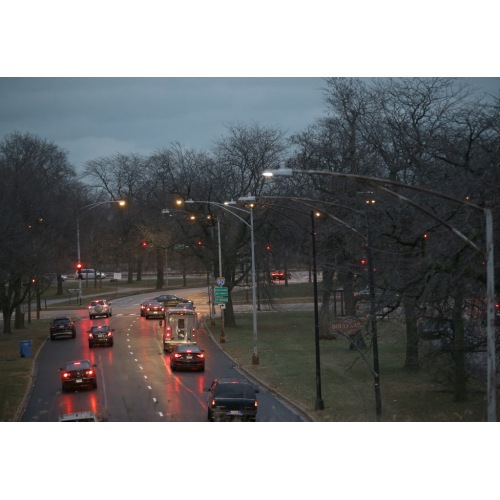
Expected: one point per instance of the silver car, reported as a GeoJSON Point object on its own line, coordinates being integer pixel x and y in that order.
{"type": "Point", "coordinates": [100, 307]}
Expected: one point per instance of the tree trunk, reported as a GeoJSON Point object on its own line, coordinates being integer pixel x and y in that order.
{"type": "Point", "coordinates": [458, 349]}
{"type": "Point", "coordinates": [412, 338]}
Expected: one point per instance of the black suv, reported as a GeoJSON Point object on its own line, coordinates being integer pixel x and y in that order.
{"type": "Point", "coordinates": [232, 399]}
{"type": "Point", "coordinates": [62, 326]}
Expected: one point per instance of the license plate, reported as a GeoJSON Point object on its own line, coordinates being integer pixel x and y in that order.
{"type": "Point", "coordinates": [79, 380]}
{"type": "Point", "coordinates": [235, 412]}
{"type": "Point", "coordinates": [189, 357]}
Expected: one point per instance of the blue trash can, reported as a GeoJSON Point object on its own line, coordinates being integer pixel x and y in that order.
{"type": "Point", "coordinates": [25, 348]}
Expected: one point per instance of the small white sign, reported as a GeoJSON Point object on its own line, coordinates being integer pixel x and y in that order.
{"type": "Point", "coordinates": [222, 306]}
{"type": "Point", "coordinates": [117, 276]}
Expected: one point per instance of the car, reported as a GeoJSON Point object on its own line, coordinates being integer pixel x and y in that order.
{"type": "Point", "coordinates": [279, 275]}
{"type": "Point", "coordinates": [83, 416]}
{"type": "Point", "coordinates": [154, 309]}
{"type": "Point", "coordinates": [101, 335]}
{"type": "Point", "coordinates": [78, 374]}
{"type": "Point", "coordinates": [188, 305]}
{"type": "Point", "coordinates": [62, 326]}
{"type": "Point", "coordinates": [232, 399]}
{"type": "Point", "coordinates": [172, 300]}
{"type": "Point", "coordinates": [100, 307]}
{"type": "Point", "coordinates": [84, 274]}
{"type": "Point", "coordinates": [143, 307]}
{"type": "Point", "coordinates": [187, 357]}
{"type": "Point", "coordinates": [430, 327]}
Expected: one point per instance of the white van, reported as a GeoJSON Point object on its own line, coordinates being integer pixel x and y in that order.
{"type": "Point", "coordinates": [87, 274]}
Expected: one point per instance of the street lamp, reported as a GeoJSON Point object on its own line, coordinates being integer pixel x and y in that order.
{"type": "Point", "coordinates": [381, 184]}
{"type": "Point", "coordinates": [86, 208]}
{"type": "Point", "coordinates": [224, 206]}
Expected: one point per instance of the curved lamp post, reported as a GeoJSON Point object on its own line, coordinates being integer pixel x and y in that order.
{"type": "Point", "coordinates": [87, 208]}
{"type": "Point", "coordinates": [224, 206]}
{"type": "Point", "coordinates": [490, 276]}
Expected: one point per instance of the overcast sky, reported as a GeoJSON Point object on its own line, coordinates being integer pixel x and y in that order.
{"type": "Point", "coordinates": [94, 117]}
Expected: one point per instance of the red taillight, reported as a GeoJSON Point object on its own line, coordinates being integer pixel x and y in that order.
{"type": "Point", "coordinates": [65, 374]}
{"type": "Point", "coordinates": [177, 355]}
{"type": "Point", "coordinates": [109, 334]}
{"type": "Point", "coordinates": [89, 372]}
{"type": "Point", "coordinates": [256, 403]}
{"type": "Point", "coordinates": [168, 331]}
{"type": "Point", "coordinates": [201, 355]}
{"type": "Point", "coordinates": [213, 403]}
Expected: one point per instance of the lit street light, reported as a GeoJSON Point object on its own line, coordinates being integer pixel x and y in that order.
{"type": "Point", "coordinates": [86, 208]}
{"type": "Point", "coordinates": [224, 206]}
{"type": "Point", "coordinates": [382, 184]}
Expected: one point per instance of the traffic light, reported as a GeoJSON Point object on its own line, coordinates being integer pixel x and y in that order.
{"type": "Point", "coordinates": [79, 270]}
{"type": "Point", "coordinates": [200, 243]}
{"type": "Point", "coordinates": [79, 266]}
{"type": "Point", "coordinates": [144, 244]}
{"type": "Point", "coordinates": [363, 262]}
{"type": "Point", "coordinates": [268, 248]}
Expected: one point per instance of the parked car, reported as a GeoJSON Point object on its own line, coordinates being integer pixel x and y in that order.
{"type": "Point", "coordinates": [279, 276]}
{"type": "Point", "coordinates": [187, 357]}
{"type": "Point", "coordinates": [101, 335]}
{"type": "Point", "coordinates": [232, 399]}
{"type": "Point", "coordinates": [430, 327]}
{"type": "Point", "coordinates": [100, 307]}
{"type": "Point", "coordinates": [154, 309]}
{"type": "Point", "coordinates": [172, 300]}
{"type": "Point", "coordinates": [62, 326]}
{"type": "Point", "coordinates": [78, 374]}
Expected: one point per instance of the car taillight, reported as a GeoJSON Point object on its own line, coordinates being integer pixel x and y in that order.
{"type": "Point", "coordinates": [65, 374]}
{"type": "Point", "coordinates": [213, 403]}
{"type": "Point", "coordinates": [91, 335]}
{"type": "Point", "coordinates": [256, 403]}
{"type": "Point", "coordinates": [168, 331]}
{"type": "Point", "coordinates": [89, 372]}
{"type": "Point", "coordinates": [109, 334]}
{"type": "Point", "coordinates": [177, 355]}
{"type": "Point", "coordinates": [201, 355]}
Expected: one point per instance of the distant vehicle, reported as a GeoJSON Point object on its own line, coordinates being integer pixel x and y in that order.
{"type": "Point", "coordinates": [143, 306]}
{"type": "Point", "coordinates": [181, 326]}
{"type": "Point", "coordinates": [172, 300]}
{"type": "Point", "coordinates": [53, 277]}
{"type": "Point", "coordinates": [62, 326]}
{"type": "Point", "coordinates": [84, 416]}
{"type": "Point", "coordinates": [187, 357]}
{"type": "Point", "coordinates": [279, 275]}
{"type": "Point", "coordinates": [187, 305]}
{"type": "Point", "coordinates": [90, 274]}
{"type": "Point", "coordinates": [100, 307]}
{"type": "Point", "coordinates": [101, 335]}
{"type": "Point", "coordinates": [430, 327]}
{"type": "Point", "coordinates": [154, 309]}
{"type": "Point", "coordinates": [78, 374]}
{"type": "Point", "coordinates": [232, 399]}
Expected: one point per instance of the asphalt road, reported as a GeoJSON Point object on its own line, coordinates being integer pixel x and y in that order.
{"type": "Point", "coordinates": [135, 383]}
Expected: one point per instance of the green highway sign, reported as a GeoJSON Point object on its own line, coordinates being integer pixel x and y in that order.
{"type": "Point", "coordinates": [220, 294]}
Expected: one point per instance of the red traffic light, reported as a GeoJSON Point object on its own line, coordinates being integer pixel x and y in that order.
{"type": "Point", "coordinates": [200, 242]}
{"type": "Point", "coordinates": [144, 244]}
{"type": "Point", "coordinates": [78, 266]}
{"type": "Point", "coordinates": [268, 248]}
{"type": "Point", "coordinates": [363, 262]}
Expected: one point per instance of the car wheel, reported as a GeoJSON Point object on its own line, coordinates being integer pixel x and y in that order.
{"type": "Point", "coordinates": [74, 335]}
{"type": "Point", "coordinates": [90, 345]}
{"type": "Point", "coordinates": [94, 385]}
{"type": "Point", "coordinates": [52, 337]}
{"type": "Point", "coordinates": [111, 344]}
{"type": "Point", "coordinates": [90, 316]}
{"type": "Point", "coordinates": [110, 314]}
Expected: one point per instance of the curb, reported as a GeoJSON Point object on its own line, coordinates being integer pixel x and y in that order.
{"type": "Point", "coordinates": [297, 407]}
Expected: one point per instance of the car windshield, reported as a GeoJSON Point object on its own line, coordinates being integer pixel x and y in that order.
{"type": "Point", "coordinates": [61, 321]}
{"type": "Point", "coordinates": [103, 328]}
{"type": "Point", "coordinates": [97, 302]}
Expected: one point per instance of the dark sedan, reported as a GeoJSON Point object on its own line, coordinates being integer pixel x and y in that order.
{"type": "Point", "coordinates": [232, 399]}
{"type": "Point", "coordinates": [154, 309]}
{"type": "Point", "coordinates": [101, 335]}
{"type": "Point", "coordinates": [172, 300]}
{"type": "Point", "coordinates": [78, 374]}
{"type": "Point", "coordinates": [62, 326]}
{"type": "Point", "coordinates": [187, 357]}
